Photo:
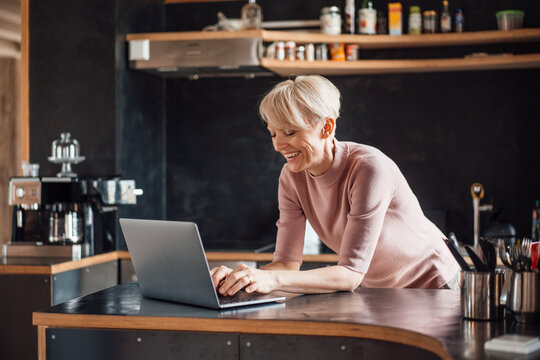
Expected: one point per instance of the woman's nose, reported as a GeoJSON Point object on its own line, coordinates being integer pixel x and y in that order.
{"type": "Point", "coordinates": [278, 142]}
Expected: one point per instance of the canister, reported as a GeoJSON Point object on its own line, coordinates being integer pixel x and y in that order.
{"type": "Point", "coordinates": [394, 18]}
{"type": "Point", "coordinates": [351, 52]}
{"type": "Point", "coordinates": [330, 20]}
{"type": "Point", "coordinates": [367, 21]}
{"type": "Point", "coordinates": [337, 52]}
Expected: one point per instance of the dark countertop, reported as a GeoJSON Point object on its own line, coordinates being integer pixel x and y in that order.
{"type": "Point", "coordinates": [429, 319]}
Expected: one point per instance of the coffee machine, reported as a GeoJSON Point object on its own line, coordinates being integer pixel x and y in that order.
{"type": "Point", "coordinates": [66, 215]}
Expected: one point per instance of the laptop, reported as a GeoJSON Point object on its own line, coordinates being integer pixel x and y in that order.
{"type": "Point", "coordinates": [170, 263]}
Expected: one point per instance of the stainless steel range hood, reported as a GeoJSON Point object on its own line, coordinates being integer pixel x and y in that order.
{"type": "Point", "coordinates": [232, 57]}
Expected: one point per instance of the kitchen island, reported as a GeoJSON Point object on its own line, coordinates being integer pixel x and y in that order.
{"type": "Point", "coordinates": [367, 323]}
{"type": "Point", "coordinates": [28, 284]}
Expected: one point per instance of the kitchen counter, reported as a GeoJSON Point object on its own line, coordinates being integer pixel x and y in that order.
{"type": "Point", "coordinates": [372, 322]}
{"type": "Point", "coordinates": [36, 265]}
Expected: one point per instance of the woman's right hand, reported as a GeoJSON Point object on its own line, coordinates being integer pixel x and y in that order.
{"type": "Point", "coordinates": [219, 274]}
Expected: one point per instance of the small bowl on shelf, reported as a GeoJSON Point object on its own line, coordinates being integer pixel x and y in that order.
{"type": "Point", "coordinates": [510, 19]}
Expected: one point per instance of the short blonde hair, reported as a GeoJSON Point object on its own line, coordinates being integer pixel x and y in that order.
{"type": "Point", "coordinates": [300, 103]}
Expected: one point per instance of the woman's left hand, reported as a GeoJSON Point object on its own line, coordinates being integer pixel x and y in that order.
{"type": "Point", "coordinates": [251, 279]}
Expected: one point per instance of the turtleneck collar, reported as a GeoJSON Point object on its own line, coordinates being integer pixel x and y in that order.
{"type": "Point", "coordinates": [332, 175]}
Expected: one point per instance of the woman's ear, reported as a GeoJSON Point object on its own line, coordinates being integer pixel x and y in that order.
{"type": "Point", "coordinates": [328, 127]}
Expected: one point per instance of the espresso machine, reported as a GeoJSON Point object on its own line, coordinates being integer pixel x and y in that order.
{"type": "Point", "coordinates": [66, 215]}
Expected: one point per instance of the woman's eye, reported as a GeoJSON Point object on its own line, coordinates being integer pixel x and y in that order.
{"type": "Point", "coordinates": [272, 135]}
{"type": "Point", "coordinates": [290, 133]}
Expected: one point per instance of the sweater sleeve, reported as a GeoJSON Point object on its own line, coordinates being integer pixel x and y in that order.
{"type": "Point", "coordinates": [291, 224]}
{"type": "Point", "coordinates": [370, 192]}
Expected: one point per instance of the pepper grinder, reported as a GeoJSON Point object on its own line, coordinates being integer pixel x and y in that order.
{"type": "Point", "coordinates": [477, 192]}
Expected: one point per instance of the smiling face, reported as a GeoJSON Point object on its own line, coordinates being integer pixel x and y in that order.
{"type": "Point", "coordinates": [305, 149]}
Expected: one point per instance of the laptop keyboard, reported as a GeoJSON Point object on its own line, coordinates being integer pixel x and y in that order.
{"type": "Point", "coordinates": [239, 297]}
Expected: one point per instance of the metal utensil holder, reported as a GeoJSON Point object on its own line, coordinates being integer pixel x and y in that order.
{"type": "Point", "coordinates": [480, 295]}
{"type": "Point", "coordinates": [524, 296]}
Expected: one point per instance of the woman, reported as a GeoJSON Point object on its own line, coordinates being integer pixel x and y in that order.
{"type": "Point", "coordinates": [355, 198]}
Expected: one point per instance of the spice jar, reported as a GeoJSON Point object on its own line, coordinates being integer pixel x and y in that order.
{"type": "Point", "coordinates": [331, 20]}
{"type": "Point", "coordinates": [430, 22]}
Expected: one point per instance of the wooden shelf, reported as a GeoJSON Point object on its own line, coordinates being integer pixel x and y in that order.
{"type": "Point", "coordinates": [288, 68]}
{"type": "Point", "coordinates": [409, 41]}
{"type": "Point", "coordinates": [363, 41]}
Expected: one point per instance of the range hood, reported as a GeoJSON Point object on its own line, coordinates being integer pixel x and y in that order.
{"type": "Point", "coordinates": [230, 57]}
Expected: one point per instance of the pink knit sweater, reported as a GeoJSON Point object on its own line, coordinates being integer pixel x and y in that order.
{"type": "Point", "coordinates": [363, 209]}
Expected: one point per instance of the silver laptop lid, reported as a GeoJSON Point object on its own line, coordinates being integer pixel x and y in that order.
{"type": "Point", "coordinates": [169, 260]}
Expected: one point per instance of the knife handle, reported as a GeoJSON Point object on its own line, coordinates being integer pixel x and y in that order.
{"type": "Point", "coordinates": [461, 261]}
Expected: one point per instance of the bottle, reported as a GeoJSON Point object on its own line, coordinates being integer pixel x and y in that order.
{"type": "Point", "coordinates": [430, 22]}
{"type": "Point", "coordinates": [382, 22]}
{"type": "Point", "coordinates": [251, 16]}
{"type": "Point", "coordinates": [348, 27]}
{"type": "Point", "coordinates": [459, 21]}
{"type": "Point", "coordinates": [415, 20]}
{"type": "Point", "coordinates": [367, 18]}
{"type": "Point", "coordinates": [446, 18]}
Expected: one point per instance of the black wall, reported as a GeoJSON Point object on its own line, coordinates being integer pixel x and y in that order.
{"type": "Point", "coordinates": [200, 152]}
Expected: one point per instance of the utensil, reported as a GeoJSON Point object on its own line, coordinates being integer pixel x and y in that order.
{"type": "Point", "coordinates": [490, 254]}
{"type": "Point", "coordinates": [455, 252]}
{"type": "Point", "coordinates": [503, 254]}
{"type": "Point", "coordinates": [478, 263]}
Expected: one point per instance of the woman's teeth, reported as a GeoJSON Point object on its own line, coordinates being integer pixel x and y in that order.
{"type": "Point", "coordinates": [291, 155]}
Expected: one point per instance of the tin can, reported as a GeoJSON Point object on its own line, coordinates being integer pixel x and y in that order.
{"type": "Point", "coordinates": [321, 52]}
{"type": "Point", "coordinates": [280, 50]}
{"type": "Point", "coordinates": [330, 20]}
{"type": "Point", "coordinates": [351, 52]}
{"type": "Point", "coordinates": [337, 52]}
{"type": "Point", "coordinates": [367, 21]}
{"type": "Point", "coordinates": [310, 52]}
{"type": "Point", "coordinates": [290, 49]}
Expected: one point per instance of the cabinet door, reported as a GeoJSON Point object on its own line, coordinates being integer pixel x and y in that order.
{"type": "Point", "coordinates": [294, 347]}
{"type": "Point", "coordinates": [134, 345]}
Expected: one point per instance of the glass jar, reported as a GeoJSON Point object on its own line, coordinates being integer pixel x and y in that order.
{"type": "Point", "coordinates": [331, 20]}
{"type": "Point", "coordinates": [415, 20]}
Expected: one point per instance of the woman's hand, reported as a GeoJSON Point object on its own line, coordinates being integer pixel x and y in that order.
{"type": "Point", "coordinates": [229, 282]}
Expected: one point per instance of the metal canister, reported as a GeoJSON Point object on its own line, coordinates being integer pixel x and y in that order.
{"type": "Point", "coordinates": [280, 50]}
{"type": "Point", "coordinates": [330, 20]}
{"type": "Point", "coordinates": [290, 49]}
{"type": "Point", "coordinates": [337, 52]}
{"type": "Point", "coordinates": [321, 52]}
{"type": "Point", "coordinates": [351, 52]}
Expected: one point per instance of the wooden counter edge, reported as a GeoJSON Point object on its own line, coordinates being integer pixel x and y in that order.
{"type": "Point", "coordinates": [244, 326]}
